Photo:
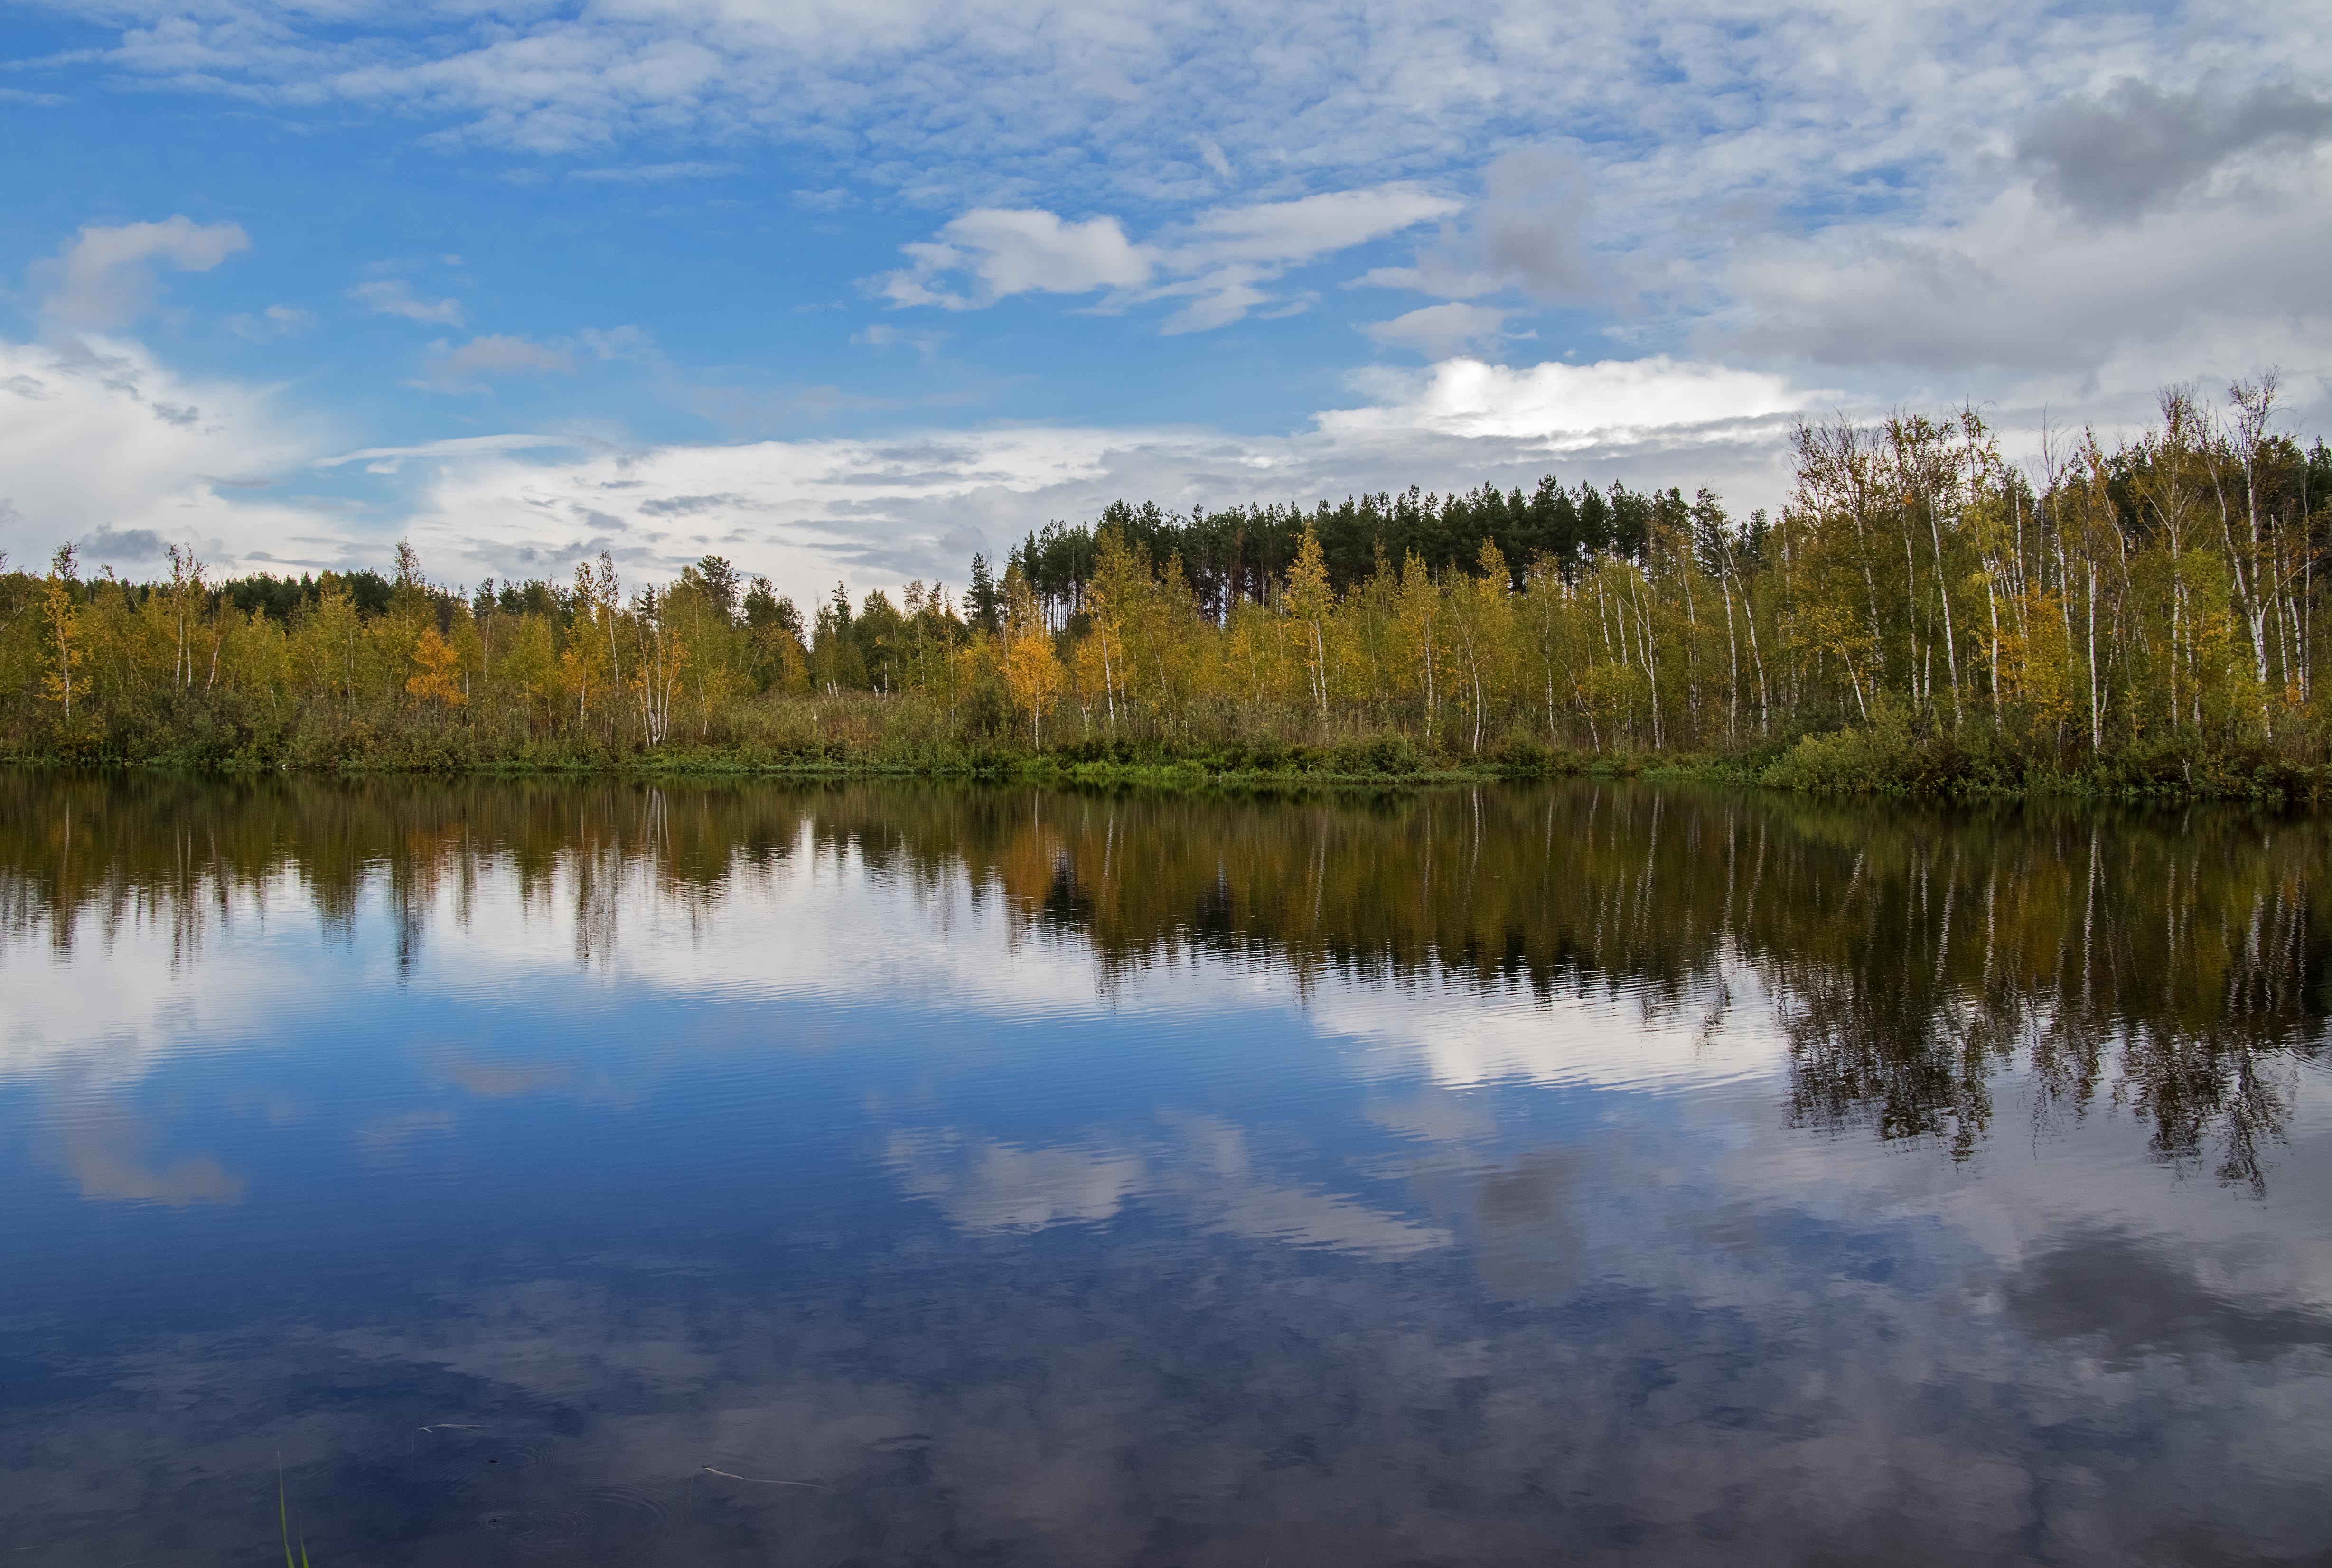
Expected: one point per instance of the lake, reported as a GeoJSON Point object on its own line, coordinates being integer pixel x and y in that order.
{"type": "Point", "coordinates": [608, 1173]}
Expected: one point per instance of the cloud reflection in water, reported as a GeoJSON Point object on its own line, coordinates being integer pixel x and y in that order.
{"type": "Point", "coordinates": [1606, 1172]}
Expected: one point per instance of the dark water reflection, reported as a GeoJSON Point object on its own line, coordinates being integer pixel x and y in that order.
{"type": "Point", "coordinates": [609, 1174]}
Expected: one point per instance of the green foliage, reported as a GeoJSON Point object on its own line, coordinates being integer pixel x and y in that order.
{"type": "Point", "coordinates": [1919, 620]}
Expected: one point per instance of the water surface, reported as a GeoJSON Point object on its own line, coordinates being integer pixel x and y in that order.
{"type": "Point", "coordinates": [611, 1174]}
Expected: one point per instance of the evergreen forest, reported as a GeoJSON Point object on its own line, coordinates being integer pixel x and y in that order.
{"type": "Point", "coordinates": [1922, 614]}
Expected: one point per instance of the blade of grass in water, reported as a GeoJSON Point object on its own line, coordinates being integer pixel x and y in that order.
{"type": "Point", "coordinates": [283, 1518]}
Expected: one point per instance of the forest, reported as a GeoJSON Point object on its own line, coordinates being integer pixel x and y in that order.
{"type": "Point", "coordinates": [1924, 615]}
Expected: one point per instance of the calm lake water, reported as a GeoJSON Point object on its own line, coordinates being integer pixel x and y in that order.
{"type": "Point", "coordinates": [609, 1174]}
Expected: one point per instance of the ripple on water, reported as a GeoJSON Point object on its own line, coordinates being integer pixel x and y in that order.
{"type": "Point", "coordinates": [613, 1523]}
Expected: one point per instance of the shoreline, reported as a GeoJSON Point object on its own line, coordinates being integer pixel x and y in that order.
{"type": "Point", "coordinates": [1845, 766]}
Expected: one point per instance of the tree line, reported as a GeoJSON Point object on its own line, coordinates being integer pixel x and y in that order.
{"type": "Point", "coordinates": [2153, 597]}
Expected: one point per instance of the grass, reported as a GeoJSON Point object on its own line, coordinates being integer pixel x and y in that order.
{"type": "Point", "coordinates": [283, 1518]}
{"type": "Point", "coordinates": [862, 738]}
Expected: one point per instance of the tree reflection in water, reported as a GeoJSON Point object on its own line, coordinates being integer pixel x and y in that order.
{"type": "Point", "coordinates": [2171, 965]}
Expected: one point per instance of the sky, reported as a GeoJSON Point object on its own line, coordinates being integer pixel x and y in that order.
{"type": "Point", "coordinates": [849, 291]}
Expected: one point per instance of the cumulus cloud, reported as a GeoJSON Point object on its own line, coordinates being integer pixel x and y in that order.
{"type": "Point", "coordinates": [1444, 328]}
{"type": "Point", "coordinates": [690, 505]}
{"type": "Point", "coordinates": [1298, 231]}
{"type": "Point", "coordinates": [1710, 145]}
{"type": "Point", "coordinates": [2206, 286]}
{"type": "Point", "coordinates": [395, 297]}
{"type": "Point", "coordinates": [104, 276]}
{"type": "Point", "coordinates": [917, 504]}
{"type": "Point", "coordinates": [1219, 262]}
{"type": "Point", "coordinates": [104, 437]}
{"type": "Point", "coordinates": [1147, 94]}
{"type": "Point", "coordinates": [1534, 212]}
{"type": "Point", "coordinates": [2134, 147]}
{"type": "Point", "coordinates": [1687, 105]}
{"type": "Point", "coordinates": [1529, 230]}
{"type": "Point", "coordinates": [112, 546]}
{"type": "Point", "coordinates": [101, 442]}
{"type": "Point", "coordinates": [998, 253]}
{"type": "Point", "coordinates": [1229, 253]}
{"type": "Point", "coordinates": [1569, 406]}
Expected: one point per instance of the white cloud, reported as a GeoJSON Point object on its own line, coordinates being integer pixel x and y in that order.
{"type": "Point", "coordinates": [1292, 232]}
{"type": "Point", "coordinates": [1230, 252]}
{"type": "Point", "coordinates": [1441, 329]}
{"type": "Point", "coordinates": [986, 1185]}
{"type": "Point", "coordinates": [1705, 136]}
{"type": "Point", "coordinates": [494, 356]}
{"type": "Point", "coordinates": [498, 355]}
{"type": "Point", "coordinates": [2134, 146]}
{"type": "Point", "coordinates": [1458, 1038]}
{"type": "Point", "coordinates": [1221, 296]}
{"type": "Point", "coordinates": [2215, 284]}
{"type": "Point", "coordinates": [395, 297]}
{"type": "Point", "coordinates": [652, 173]}
{"type": "Point", "coordinates": [1219, 261]}
{"type": "Point", "coordinates": [1207, 1174]}
{"type": "Point", "coordinates": [104, 276]}
{"type": "Point", "coordinates": [96, 436]}
{"type": "Point", "coordinates": [1692, 99]}
{"type": "Point", "coordinates": [1002, 253]}
{"type": "Point", "coordinates": [883, 335]}
{"type": "Point", "coordinates": [882, 510]}
{"type": "Point", "coordinates": [454, 446]}
{"type": "Point", "coordinates": [626, 342]}
{"type": "Point", "coordinates": [275, 322]}
{"type": "Point", "coordinates": [1529, 230]}
{"type": "Point", "coordinates": [102, 437]}
{"type": "Point", "coordinates": [1571, 406]}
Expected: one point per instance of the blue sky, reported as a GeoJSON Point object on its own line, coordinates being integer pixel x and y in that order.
{"type": "Point", "coordinates": [854, 289]}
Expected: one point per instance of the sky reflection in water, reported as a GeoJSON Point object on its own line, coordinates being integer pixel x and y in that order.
{"type": "Point", "coordinates": [614, 1174]}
